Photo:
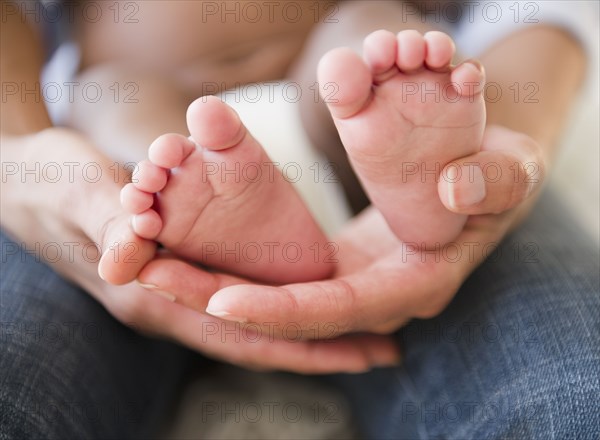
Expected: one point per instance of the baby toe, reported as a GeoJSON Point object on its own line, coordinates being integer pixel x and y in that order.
{"type": "Point", "coordinates": [147, 224]}
{"type": "Point", "coordinates": [379, 51]}
{"type": "Point", "coordinates": [169, 150]}
{"type": "Point", "coordinates": [148, 177]}
{"type": "Point", "coordinates": [135, 201]}
{"type": "Point", "coordinates": [213, 124]}
{"type": "Point", "coordinates": [344, 82]}
{"type": "Point", "coordinates": [411, 51]}
{"type": "Point", "coordinates": [439, 50]}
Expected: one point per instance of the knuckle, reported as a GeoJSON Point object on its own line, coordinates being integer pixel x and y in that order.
{"type": "Point", "coordinates": [343, 300]}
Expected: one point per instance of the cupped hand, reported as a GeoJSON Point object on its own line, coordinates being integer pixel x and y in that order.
{"type": "Point", "coordinates": [177, 318]}
{"type": "Point", "coordinates": [82, 218]}
{"type": "Point", "coordinates": [382, 282]}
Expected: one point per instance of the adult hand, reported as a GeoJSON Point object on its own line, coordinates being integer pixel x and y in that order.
{"type": "Point", "coordinates": [246, 346]}
{"type": "Point", "coordinates": [381, 282]}
{"type": "Point", "coordinates": [79, 216]}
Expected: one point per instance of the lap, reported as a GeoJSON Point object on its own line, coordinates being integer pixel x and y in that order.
{"type": "Point", "coordinates": [70, 370]}
{"type": "Point", "coordinates": [515, 355]}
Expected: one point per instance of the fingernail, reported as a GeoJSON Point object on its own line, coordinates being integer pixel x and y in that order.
{"type": "Point", "coordinates": [223, 314]}
{"type": "Point", "coordinates": [151, 288]}
{"type": "Point", "coordinates": [466, 191]}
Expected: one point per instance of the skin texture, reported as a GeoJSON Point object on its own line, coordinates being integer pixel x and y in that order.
{"type": "Point", "coordinates": [83, 212]}
{"type": "Point", "coordinates": [395, 134]}
{"type": "Point", "coordinates": [202, 211]}
{"type": "Point", "coordinates": [516, 134]}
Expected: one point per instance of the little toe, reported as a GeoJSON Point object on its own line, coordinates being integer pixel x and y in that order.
{"type": "Point", "coordinates": [439, 50]}
{"type": "Point", "coordinates": [468, 78]}
{"type": "Point", "coordinates": [149, 177]}
{"type": "Point", "coordinates": [169, 150]}
{"type": "Point", "coordinates": [213, 124]}
{"type": "Point", "coordinates": [124, 253]}
{"type": "Point", "coordinates": [410, 54]}
{"type": "Point", "coordinates": [135, 201]}
{"type": "Point", "coordinates": [344, 82]}
{"type": "Point", "coordinates": [379, 50]}
{"type": "Point", "coordinates": [147, 224]}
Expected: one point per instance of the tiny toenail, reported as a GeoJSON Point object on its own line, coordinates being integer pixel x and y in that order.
{"type": "Point", "coordinates": [147, 286]}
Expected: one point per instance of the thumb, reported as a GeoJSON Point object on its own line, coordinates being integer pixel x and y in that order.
{"type": "Point", "coordinates": [508, 169]}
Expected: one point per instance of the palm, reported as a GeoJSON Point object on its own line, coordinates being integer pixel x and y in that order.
{"type": "Point", "coordinates": [380, 282]}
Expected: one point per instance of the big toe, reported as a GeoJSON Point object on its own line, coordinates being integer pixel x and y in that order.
{"type": "Point", "coordinates": [124, 253]}
{"type": "Point", "coordinates": [213, 124]}
{"type": "Point", "coordinates": [344, 82]}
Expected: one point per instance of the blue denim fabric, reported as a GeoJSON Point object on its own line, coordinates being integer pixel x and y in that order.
{"type": "Point", "coordinates": [68, 370]}
{"type": "Point", "coordinates": [516, 355]}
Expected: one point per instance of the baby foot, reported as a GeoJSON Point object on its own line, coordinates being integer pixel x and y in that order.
{"type": "Point", "coordinates": [215, 198]}
{"type": "Point", "coordinates": [403, 114]}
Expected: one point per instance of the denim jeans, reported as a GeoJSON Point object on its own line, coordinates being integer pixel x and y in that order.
{"type": "Point", "coordinates": [516, 354]}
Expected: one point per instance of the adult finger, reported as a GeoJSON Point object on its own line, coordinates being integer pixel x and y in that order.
{"type": "Point", "coordinates": [390, 290]}
{"type": "Point", "coordinates": [244, 345]}
{"type": "Point", "coordinates": [181, 282]}
{"type": "Point", "coordinates": [507, 170]}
